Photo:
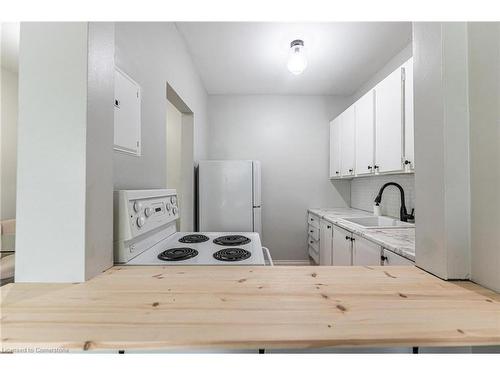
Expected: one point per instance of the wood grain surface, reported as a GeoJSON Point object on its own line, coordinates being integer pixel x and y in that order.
{"type": "Point", "coordinates": [240, 307]}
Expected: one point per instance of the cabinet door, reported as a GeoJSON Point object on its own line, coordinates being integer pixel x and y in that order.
{"type": "Point", "coordinates": [347, 145]}
{"type": "Point", "coordinates": [365, 133]}
{"type": "Point", "coordinates": [335, 126]}
{"type": "Point", "coordinates": [325, 243]}
{"type": "Point", "coordinates": [342, 248]}
{"type": "Point", "coordinates": [365, 253]}
{"type": "Point", "coordinates": [392, 259]}
{"type": "Point", "coordinates": [389, 123]}
{"type": "Point", "coordinates": [127, 114]}
{"type": "Point", "coordinates": [408, 116]}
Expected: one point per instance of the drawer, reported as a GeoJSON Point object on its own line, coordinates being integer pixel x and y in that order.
{"type": "Point", "coordinates": [313, 232]}
{"type": "Point", "coordinates": [313, 254]}
{"type": "Point", "coordinates": [311, 242]}
{"type": "Point", "coordinates": [313, 220]}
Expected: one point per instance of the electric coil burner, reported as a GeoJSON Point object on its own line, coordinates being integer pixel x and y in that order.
{"type": "Point", "coordinates": [177, 254]}
{"type": "Point", "coordinates": [233, 254]}
{"type": "Point", "coordinates": [232, 240]}
{"type": "Point", "coordinates": [146, 234]}
{"type": "Point", "coordinates": [193, 238]}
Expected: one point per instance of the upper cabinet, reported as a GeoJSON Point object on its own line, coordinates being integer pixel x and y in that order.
{"type": "Point", "coordinates": [365, 134]}
{"type": "Point", "coordinates": [409, 162]}
{"type": "Point", "coordinates": [335, 126]}
{"type": "Point", "coordinates": [389, 123]}
{"type": "Point", "coordinates": [375, 134]}
{"type": "Point", "coordinates": [347, 142]}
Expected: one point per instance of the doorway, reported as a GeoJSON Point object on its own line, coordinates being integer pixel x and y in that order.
{"type": "Point", "coordinates": [180, 157]}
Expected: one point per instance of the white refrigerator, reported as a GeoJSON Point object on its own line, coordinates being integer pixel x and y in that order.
{"type": "Point", "coordinates": [229, 197]}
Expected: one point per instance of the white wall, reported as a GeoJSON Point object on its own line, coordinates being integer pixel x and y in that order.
{"type": "Point", "coordinates": [99, 154]}
{"type": "Point", "coordinates": [290, 136]}
{"type": "Point", "coordinates": [65, 133]}
{"type": "Point", "coordinates": [484, 101]}
{"type": "Point", "coordinates": [174, 152]}
{"type": "Point", "coordinates": [387, 69]}
{"type": "Point", "coordinates": [441, 148]}
{"type": "Point", "coordinates": [154, 54]}
{"type": "Point", "coordinates": [8, 138]}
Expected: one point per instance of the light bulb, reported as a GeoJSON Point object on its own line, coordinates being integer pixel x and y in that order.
{"type": "Point", "coordinates": [297, 61]}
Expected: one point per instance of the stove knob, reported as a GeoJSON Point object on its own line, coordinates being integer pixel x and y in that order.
{"type": "Point", "coordinates": [148, 211]}
{"type": "Point", "coordinates": [137, 206]}
{"type": "Point", "coordinates": [169, 206]}
{"type": "Point", "coordinates": [140, 221]}
{"type": "Point", "coordinates": [175, 210]}
{"type": "Point", "coordinates": [173, 199]}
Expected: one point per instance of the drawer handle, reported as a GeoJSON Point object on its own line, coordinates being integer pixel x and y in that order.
{"type": "Point", "coordinates": [383, 258]}
{"type": "Point", "coordinates": [311, 231]}
{"type": "Point", "coordinates": [329, 226]}
{"type": "Point", "coordinates": [347, 237]}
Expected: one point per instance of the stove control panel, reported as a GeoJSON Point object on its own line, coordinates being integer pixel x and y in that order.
{"type": "Point", "coordinates": [139, 214]}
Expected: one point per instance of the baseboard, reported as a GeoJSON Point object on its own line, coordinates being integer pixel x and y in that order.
{"type": "Point", "coordinates": [291, 262]}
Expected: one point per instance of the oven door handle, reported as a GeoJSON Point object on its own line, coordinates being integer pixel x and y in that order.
{"type": "Point", "coordinates": [266, 250]}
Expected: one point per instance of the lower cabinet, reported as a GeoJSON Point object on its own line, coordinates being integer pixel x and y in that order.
{"type": "Point", "coordinates": [329, 244]}
{"type": "Point", "coordinates": [325, 243]}
{"type": "Point", "coordinates": [391, 259]}
{"type": "Point", "coordinates": [342, 247]}
{"type": "Point", "coordinates": [365, 253]}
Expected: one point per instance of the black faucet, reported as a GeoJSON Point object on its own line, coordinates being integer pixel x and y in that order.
{"type": "Point", "coordinates": [403, 214]}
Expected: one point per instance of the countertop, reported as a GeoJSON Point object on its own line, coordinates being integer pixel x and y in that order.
{"type": "Point", "coordinates": [244, 307]}
{"type": "Point", "coordinates": [400, 241]}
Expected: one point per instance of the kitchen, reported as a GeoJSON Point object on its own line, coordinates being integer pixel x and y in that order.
{"type": "Point", "coordinates": [329, 164]}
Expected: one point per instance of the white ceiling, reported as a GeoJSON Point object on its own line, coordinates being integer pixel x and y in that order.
{"type": "Point", "coordinates": [10, 45]}
{"type": "Point", "coordinates": [250, 57]}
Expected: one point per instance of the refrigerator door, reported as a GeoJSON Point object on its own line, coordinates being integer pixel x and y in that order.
{"type": "Point", "coordinates": [257, 221]}
{"type": "Point", "coordinates": [225, 195]}
{"type": "Point", "coordinates": [256, 184]}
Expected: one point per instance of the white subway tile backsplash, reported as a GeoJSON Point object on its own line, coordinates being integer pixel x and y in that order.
{"type": "Point", "coordinates": [365, 189]}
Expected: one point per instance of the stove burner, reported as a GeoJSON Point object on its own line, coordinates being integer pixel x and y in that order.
{"type": "Point", "coordinates": [232, 240]}
{"type": "Point", "coordinates": [178, 253]}
{"type": "Point", "coordinates": [193, 238]}
{"type": "Point", "coordinates": [233, 254]}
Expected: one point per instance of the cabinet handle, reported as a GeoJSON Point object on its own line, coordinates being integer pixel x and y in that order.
{"type": "Point", "coordinates": [337, 172]}
{"type": "Point", "coordinates": [375, 166]}
{"type": "Point", "coordinates": [311, 231]}
{"type": "Point", "coordinates": [350, 170]}
{"type": "Point", "coordinates": [353, 239]}
{"type": "Point", "coordinates": [383, 258]}
{"type": "Point", "coordinates": [347, 238]}
{"type": "Point", "coordinates": [407, 162]}
{"type": "Point", "coordinates": [369, 167]}
{"type": "Point", "coordinates": [329, 226]}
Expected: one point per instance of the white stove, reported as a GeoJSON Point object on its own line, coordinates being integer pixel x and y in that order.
{"type": "Point", "coordinates": [145, 234]}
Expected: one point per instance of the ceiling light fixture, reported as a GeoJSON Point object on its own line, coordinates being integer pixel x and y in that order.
{"type": "Point", "coordinates": [297, 61]}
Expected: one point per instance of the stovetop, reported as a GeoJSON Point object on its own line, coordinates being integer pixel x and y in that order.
{"type": "Point", "coordinates": [213, 248]}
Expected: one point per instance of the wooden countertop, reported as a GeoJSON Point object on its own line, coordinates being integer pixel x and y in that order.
{"type": "Point", "coordinates": [239, 307]}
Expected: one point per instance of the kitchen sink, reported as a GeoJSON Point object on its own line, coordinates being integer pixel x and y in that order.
{"type": "Point", "coordinates": [379, 222]}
